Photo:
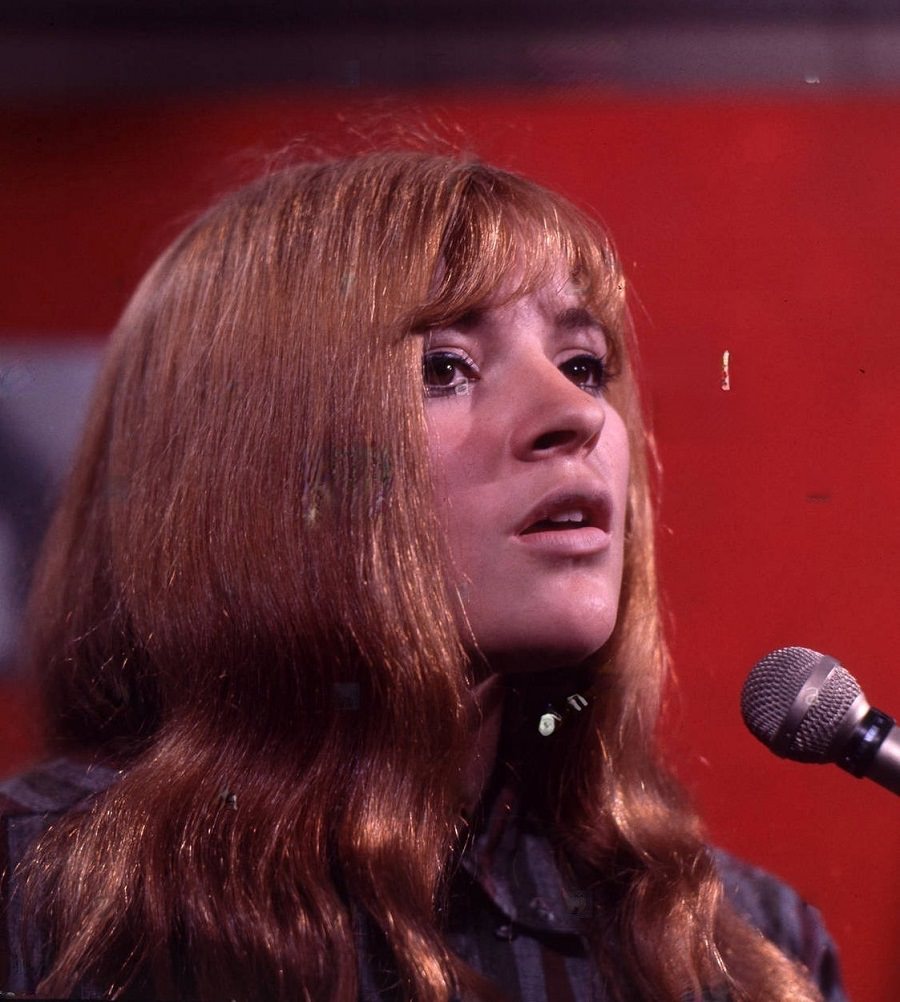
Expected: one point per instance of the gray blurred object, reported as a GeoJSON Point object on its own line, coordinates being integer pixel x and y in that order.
{"type": "Point", "coordinates": [69, 48]}
{"type": "Point", "coordinates": [44, 390]}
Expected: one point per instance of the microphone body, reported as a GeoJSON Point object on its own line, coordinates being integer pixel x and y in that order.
{"type": "Point", "coordinates": [868, 745]}
{"type": "Point", "coordinates": [807, 707]}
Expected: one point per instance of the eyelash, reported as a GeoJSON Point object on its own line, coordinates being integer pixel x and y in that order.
{"type": "Point", "coordinates": [598, 370]}
{"type": "Point", "coordinates": [429, 367]}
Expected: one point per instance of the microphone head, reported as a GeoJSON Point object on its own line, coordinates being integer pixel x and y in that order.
{"type": "Point", "coordinates": [775, 693]}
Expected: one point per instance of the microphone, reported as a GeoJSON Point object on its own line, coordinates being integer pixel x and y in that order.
{"type": "Point", "coordinates": [807, 707]}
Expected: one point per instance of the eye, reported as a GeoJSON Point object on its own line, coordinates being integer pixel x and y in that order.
{"type": "Point", "coordinates": [445, 373]}
{"type": "Point", "coordinates": [590, 372]}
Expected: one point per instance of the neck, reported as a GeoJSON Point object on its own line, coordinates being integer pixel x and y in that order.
{"type": "Point", "coordinates": [487, 717]}
{"type": "Point", "coordinates": [507, 710]}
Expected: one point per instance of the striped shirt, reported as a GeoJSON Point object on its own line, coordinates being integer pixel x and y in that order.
{"type": "Point", "coordinates": [511, 915]}
{"type": "Point", "coordinates": [518, 920]}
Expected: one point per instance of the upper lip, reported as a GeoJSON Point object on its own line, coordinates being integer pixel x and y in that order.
{"type": "Point", "coordinates": [593, 502]}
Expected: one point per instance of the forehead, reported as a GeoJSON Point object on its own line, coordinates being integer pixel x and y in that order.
{"type": "Point", "coordinates": [537, 263]}
{"type": "Point", "coordinates": [557, 300]}
{"type": "Point", "coordinates": [549, 285]}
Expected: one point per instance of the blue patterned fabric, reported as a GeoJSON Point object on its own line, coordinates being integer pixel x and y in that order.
{"type": "Point", "coordinates": [511, 914]}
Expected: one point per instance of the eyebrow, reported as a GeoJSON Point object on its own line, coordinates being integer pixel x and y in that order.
{"type": "Point", "coordinates": [576, 318]}
{"type": "Point", "coordinates": [471, 318]}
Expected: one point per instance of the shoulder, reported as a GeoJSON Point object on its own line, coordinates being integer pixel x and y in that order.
{"type": "Point", "coordinates": [31, 801]}
{"type": "Point", "coordinates": [784, 918]}
{"type": "Point", "coordinates": [53, 787]}
{"type": "Point", "coordinates": [29, 804]}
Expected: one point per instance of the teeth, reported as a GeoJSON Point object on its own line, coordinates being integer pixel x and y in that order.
{"type": "Point", "coordinates": [567, 516]}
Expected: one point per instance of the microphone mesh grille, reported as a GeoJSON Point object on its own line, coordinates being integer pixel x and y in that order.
{"type": "Point", "coordinates": [774, 685]}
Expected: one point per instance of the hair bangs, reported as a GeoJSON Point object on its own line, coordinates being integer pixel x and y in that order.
{"type": "Point", "coordinates": [506, 238]}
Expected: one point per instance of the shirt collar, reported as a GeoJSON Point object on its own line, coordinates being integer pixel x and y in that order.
{"type": "Point", "coordinates": [511, 857]}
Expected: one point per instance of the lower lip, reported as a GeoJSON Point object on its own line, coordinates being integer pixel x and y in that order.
{"type": "Point", "coordinates": [567, 542]}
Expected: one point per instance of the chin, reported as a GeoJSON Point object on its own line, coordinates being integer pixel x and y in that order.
{"type": "Point", "coordinates": [564, 644]}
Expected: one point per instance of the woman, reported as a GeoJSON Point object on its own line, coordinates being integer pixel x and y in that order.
{"type": "Point", "coordinates": [355, 682]}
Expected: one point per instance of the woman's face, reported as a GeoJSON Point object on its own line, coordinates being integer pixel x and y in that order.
{"type": "Point", "coordinates": [531, 466]}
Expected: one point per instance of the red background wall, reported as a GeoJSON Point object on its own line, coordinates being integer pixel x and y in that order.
{"type": "Point", "coordinates": [765, 226]}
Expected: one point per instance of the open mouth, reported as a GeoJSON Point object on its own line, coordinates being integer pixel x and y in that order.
{"type": "Point", "coordinates": [563, 522]}
{"type": "Point", "coordinates": [568, 525]}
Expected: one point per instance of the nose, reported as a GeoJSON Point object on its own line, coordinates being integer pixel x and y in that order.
{"type": "Point", "coordinates": [556, 416]}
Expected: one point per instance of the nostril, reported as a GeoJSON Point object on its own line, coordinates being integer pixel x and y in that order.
{"type": "Point", "coordinates": [552, 439]}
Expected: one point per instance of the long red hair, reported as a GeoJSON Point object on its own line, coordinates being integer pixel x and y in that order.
{"type": "Point", "coordinates": [244, 599]}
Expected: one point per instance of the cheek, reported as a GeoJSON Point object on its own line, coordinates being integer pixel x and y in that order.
{"type": "Point", "coordinates": [458, 459]}
{"type": "Point", "coordinates": [615, 456]}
